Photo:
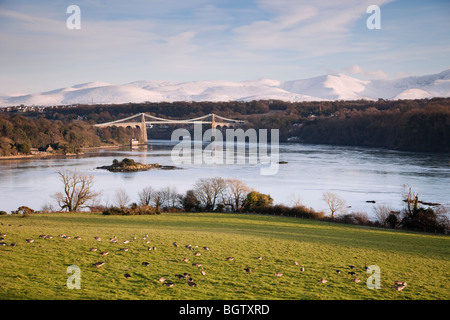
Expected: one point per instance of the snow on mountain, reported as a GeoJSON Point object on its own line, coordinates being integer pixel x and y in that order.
{"type": "Point", "coordinates": [326, 87]}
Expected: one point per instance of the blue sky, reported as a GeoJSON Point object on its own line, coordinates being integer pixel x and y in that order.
{"type": "Point", "coordinates": [179, 40]}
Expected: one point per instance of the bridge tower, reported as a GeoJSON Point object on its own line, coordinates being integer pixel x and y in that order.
{"type": "Point", "coordinates": [143, 128]}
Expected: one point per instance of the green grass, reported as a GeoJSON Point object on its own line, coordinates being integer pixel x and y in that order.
{"type": "Point", "coordinates": [38, 270]}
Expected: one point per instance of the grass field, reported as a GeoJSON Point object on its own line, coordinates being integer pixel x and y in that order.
{"type": "Point", "coordinates": [38, 270]}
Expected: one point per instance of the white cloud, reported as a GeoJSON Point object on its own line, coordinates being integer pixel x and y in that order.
{"type": "Point", "coordinates": [357, 70]}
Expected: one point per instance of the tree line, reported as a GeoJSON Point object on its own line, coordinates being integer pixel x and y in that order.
{"type": "Point", "coordinates": [414, 125]}
{"type": "Point", "coordinates": [217, 194]}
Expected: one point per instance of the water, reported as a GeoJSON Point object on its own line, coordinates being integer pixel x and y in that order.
{"type": "Point", "coordinates": [356, 174]}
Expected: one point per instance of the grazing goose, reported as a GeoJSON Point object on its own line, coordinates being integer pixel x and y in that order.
{"type": "Point", "coordinates": [295, 262]}
{"type": "Point", "coordinates": [248, 270]}
{"type": "Point", "coordinates": [98, 239]}
{"type": "Point", "coordinates": [12, 244]}
{"type": "Point", "coordinates": [338, 271]}
{"type": "Point", "coordinates": [356, 280]}
{"type": "Point", "coordinates": [191, 283]}
{"type": "Point", "coordinates": [169, 284]}
{"type": "Point", "coordinates": [124, 249]}
{"type": "Point", "coordinates": [352, 267]}
{"type": "Point", "coordinates": [126, 241]}
{"type": "Point", "coordinates": [162, 279]}
{"type": "Point", "coordinates": [322, 281]}
{"type": "Point", "coordinates": [259, 258]}
{"type": "Point", "coordinates": [29, 240]}
{"type": "Point", "coordinates": [206, 248]}
{"type": "Point", "coordinates": [198, 265]}
{"type": "Point", "coordinates": [179, 276]}
{"type": "Point", "coordinates": [175, 244]}
{"type": "Point", "coordinates": [127, 275]}
{"type": "Point", "coordinates": [185, 260]}
{"type": "Point", "coordinates": [77, 238]}
{"type": "Point", "coordinates": [399, 285]}
{"type": "Point", "coordinates": [197, 254]}
{"type": "Point", "coordinates": [93, 249]}
{"type": "Point", "coordinates": [145, 264]}
{"type": "Point", "coordinates": [302, 269]}
{"type": "Point", "coordinates": [351, 273]}
{"type": "Point", "coordinates": [278, 274]}
{"type": "Point", "coordinates": [104, 253]}
{"type": "Point", "coordinates": [203, 272]}
{"type": "Point", "coordinates": [365, 266]}
{"type": "Point", "coordinates": [229, 259]}
{"type": "Point", "coordinates": [98, 264]}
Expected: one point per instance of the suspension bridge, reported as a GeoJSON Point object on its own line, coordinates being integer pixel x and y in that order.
{"type": "Point", "coordinates": [145, 120]}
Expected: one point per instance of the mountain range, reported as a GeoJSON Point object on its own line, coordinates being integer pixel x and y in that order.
{"type": "Point", "coordinates": [327, 87]}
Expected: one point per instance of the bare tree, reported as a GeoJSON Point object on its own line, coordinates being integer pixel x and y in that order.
{"type": "Point", "coordinates": [121, 198]}
{"type": "Point", "coordinates": [235, 194]}
{"type": "Point", "coordinates": [77, 190]}
{"type": "Point", "coordinates": [334, 202]}
{"type": "Point", "coordinates": [209, 191]}
{"type": "Point", "coordinates": [146, 196]}
{"type": "Point", "coordinates": [382, 213]}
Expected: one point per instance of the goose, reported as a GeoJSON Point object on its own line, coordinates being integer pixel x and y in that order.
{"type": "Point", "coordinates": [175, 244]}
{"type": "Point", "coordinates": [97, 239]}
{"type": "Point", "coordinates": [356, 280]}
{"type": "Point", "coordinates": [248, 270]}
{"type": "Point", "coordinates": [197, 254]}
{"type": "Point", "coordinates": [29, 240]}
{"type": "Point", "coordinates": [162, 279]}
{"type": "Point", "coordinates": [104, 253]}
{"type": "Point", "coordinates": [153, 248]}
{"type": "Point", "coordinates": [198, 265]}
{"type": "Point", "coordinates": [48, 236]}
{"type": "Point", "coordinates": [229, 259]}
{"type": "Point", "coordinates": [145, 264]}
{"type": "Point", "coordinates": [399, 285]}
{"type": "Point", "coordinates": [260, 258]}
{"type": "Point", "coordinates": [322, 281]}
{"type": "Point", "coordinates": [302, 269]}
{"type": "Point", "coordinates": [127, 275]}
{"type": "Point", "coordinates": [295, 262]}
{"type": "Point", "coordinates": [169, 284]}
{"type": "Point", "coordinates": [93, 249]}
{"type": "Point", "coordinates": [185, 260]}
{"type": "Point", "coordinates": [191, 283]}
{"type": "Point", "coordinates": [3, 244]}
{"type": "Point", "coordinates": [338, 271]}
{"type": "Point", "coordinates": [352, 267]}
{"type": "Point", "coordinates": [77, 238]}
{"type": "Point", "coordinates": [179, 276]}
{"type": "Point", "coordinates": [278, 274]}
{"type": "Point", "coordinates": [126, 241]}
{"type": "Point", "coordinates": [351, 273]}
{"type": "Point", "coordinates": [203, 272]}
{"type": "Point", "coordinates": [205, 248]}
{"type": "Point", "coordinates": [124, 249]}
{"type": "Point", "coordinates": [98, 264]}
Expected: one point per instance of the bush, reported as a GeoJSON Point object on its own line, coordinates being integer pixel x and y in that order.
{"type": "Point", "coordinates": [23, 210]}
{"type": "Point", "coordinates": [3, 213]}
{"type": "Point", "coordinates": [133, 210]}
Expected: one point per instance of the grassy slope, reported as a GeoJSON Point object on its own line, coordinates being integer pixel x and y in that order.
{"type": "Point", "coordinates": [38, 270]}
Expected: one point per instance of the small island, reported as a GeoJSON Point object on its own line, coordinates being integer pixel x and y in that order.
{"type": "Point", "coordinates": [129, 165]}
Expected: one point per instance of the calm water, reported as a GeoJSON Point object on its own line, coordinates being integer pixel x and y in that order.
{"type": "Point", "coordinates": [356, 174]}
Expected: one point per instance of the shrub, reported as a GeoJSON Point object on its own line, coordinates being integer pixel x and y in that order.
{"type": "Point", "coordinates": [3, 213]}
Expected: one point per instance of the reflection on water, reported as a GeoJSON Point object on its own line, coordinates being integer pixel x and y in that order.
{"type": "Point", "coordinates": [356, 174]}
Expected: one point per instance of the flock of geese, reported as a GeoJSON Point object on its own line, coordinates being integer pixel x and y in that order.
{"type": "Point", "coordinates": [398, 285]}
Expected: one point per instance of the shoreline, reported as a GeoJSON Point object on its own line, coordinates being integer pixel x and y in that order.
{"type": "Point", "coordinates": [45, 155]}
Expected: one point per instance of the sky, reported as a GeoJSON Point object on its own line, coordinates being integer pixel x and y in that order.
{"type": "Point", "coordinates": [177, 40]}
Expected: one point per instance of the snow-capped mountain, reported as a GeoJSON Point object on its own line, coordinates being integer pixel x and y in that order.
{"type": "Point", "coordinates": [326, 87]}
